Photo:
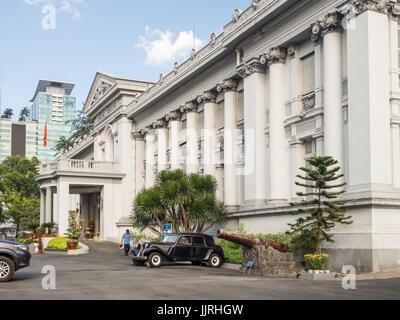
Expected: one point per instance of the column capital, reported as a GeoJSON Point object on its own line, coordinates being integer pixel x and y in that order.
{"type": "Point", "coordinates": [207, 96]}
{"type": "Point", "coordinates": [329, 23]}
{"type": "Point", "coordinates": [250, 67]}
{"type": "Point", "coordinates": [227, 85]}
{"type": "Point", "coordinates": [160, 124]}
{"type": "Point", "coordinates": [137, 136]}
{"type": "Point", "coordinates": [189, 107]}
{"type": "Point", "coordinates": [382, 6]}
{"type": "Point", "coordinates": [274, 55]}
{"type": "Point", "coordinates": [173, 116]}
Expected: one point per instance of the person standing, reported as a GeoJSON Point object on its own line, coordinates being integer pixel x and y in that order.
{"type": "Point", "coordinates": [126, 241]}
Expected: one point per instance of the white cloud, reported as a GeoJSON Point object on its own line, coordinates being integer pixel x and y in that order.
{"type": "Point", "coordinates": [162, 47]}
{"type": "Point", "coordinates": [70, 6]}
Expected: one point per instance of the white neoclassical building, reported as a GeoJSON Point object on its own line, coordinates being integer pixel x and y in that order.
{"type": "Point", "coordinates": [284, 81]}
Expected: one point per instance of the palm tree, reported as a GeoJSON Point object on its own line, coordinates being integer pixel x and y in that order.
{"type": "Point", "coordinates": [8, 113]}
{"type": "Point", "coordinates": [188, 202]}
{"type": "Point", "coordinates": [24, 114]}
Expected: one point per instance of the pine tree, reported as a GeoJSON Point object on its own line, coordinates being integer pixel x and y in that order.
{"type": "Point", "coordinates": [321, 213]}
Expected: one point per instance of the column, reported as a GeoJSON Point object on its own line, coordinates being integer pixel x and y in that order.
{"type": "Point", "coordinates": [150, 176]}
{"type": "Point", "coordinates": [231, 191]}
{"type": "Point", "coordinates": [278, 142]}
{"type": "Point", "coordinates": [297, 161]}
{"type": "Point", "coordinates": [42, 206]}
{"type": "Point", "coordinates": [192, 163]}
{"type": "Point", "coordinates": [62, 206]}
{"type": "Point", "coordinates": [162, 141]}
{"type": "Point", "coordinates": [369, 100]}
{"type": "Point", "coordinates": [48, 204]}
{"type": "Point", "coordinates": [139, 161]}
{"type": "Point", "coordinates": [210, 131]}
{"type": "Point", "coordinates": [332, 79]}
{"type": "Point", "coordinates": [174, 119]}
{"type": "Point", "coordinates": [255, 121]}
{"type": "Point", "coordinates": [396, 154]}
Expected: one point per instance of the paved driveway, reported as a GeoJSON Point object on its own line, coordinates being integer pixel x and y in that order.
{"type": "Point", "coordinates": [106, 274]}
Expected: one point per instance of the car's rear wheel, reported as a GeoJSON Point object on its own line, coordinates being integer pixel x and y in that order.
{"type": "Point", "coordinates": [215, 260]}
{"type": "Point", "coordinates": [7, 269]}
{"type": "Point", "coordinates": [155, 260]}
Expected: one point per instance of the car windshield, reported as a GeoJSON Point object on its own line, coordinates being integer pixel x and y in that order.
{"type": "Point", "coordinates": [170, 238]}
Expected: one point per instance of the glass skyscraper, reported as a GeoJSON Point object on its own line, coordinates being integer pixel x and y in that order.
{"type": "Point", "coordinates": [52, 105]}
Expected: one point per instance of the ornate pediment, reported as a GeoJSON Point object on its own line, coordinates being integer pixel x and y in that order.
{"type": "Point", "coordinates": [102, 88]}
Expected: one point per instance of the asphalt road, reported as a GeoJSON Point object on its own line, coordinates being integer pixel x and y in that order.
{"type": "Point", "coordinates": [106, 274]}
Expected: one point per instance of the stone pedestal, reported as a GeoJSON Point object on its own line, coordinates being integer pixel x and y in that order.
{"type": "Point", "coordinates": [269, 262]}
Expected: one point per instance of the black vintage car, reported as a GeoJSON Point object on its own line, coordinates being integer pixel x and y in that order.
{"type": "Point", "coordinates": [196, 248]}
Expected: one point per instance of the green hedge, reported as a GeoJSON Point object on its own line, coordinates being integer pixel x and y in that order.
{"type": "Point", "coordinates": [59, 244]}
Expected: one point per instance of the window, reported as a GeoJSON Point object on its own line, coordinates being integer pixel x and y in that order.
{"type": "Point", "coordinates": [308, 74]}
{"type": "Point", "coordinates": [198, 241]}
{"type": "Point", "coordinates": [210, 241]}
{"type": "Point", "coordinates": [185, 241]}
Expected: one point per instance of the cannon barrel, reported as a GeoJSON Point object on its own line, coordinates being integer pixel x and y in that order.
{"type": "Point", "coordinates": [251, 242]}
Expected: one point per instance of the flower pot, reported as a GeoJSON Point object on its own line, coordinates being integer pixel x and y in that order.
{"type": "Point", "coordinates": [310, 271]}
{"type": "Point", "coordinates": [316, 271]}
{"type": "Point", "coordinates": [72, 246]}
{"type": "Point", "coordinates": [304, 264]}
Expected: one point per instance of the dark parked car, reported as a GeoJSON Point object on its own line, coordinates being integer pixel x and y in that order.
{"type": "Point", "coordinates": [13, 256]}
{"type": "Point", "coordinates": [196, 248]}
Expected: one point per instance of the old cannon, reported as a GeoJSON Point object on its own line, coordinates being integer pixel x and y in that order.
{"type": "Point", "coordinates": [251, 242]}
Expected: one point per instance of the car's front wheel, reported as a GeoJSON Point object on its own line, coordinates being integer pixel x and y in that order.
{"type": "Point", "coordinates": [7, 269]}
{"type": "Point", "coordinates": [155, 260]}
{"type": "Point", "coordinates": [215, 260]}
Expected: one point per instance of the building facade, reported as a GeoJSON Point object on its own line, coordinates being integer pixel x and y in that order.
{"type": "Point", "coordinates": [18, 138]}
{"type": "Point", "coordinates": [53, 106]}
{"type": "Point", "coordinates": [286, 80]}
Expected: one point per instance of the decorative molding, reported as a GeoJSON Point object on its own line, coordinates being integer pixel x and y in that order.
{"type": "Point", "coordinates": [173, 116]}
{"type": "Point", "coordinates": [255, 3]}
{"type": "Point", "coordinates": [208, 96]}
{"type": "Point", "coordinates": [308, 104]}
{"type": "Point", "coordinates": [213, 38]}
{"type": "Point", "coordinates": [176, 67]}
{"type": "Point", "coordinates": [381, 6]}
{"type": "Point", "coordinates": [102, 88]}
{"type": "Point", "coordinates": [236, 15]}
{"type": "Point", "coordinates": [137, 136]}
{"type": "Point", "coordinates": [328, 23]}
{"type": "Point", "coordinates": [274, 55]}
{"type": "Point", "coordinates": [160, 124]}
{"type": "Point", "coordinates": [248, 68]}
{"type": "Point", "coordinates": [188, 107]}
{"type": "Point", "coordinates": [227, 85]}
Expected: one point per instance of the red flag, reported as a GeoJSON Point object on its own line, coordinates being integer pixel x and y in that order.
{"type": "Point", "coordinates": [45, 135]}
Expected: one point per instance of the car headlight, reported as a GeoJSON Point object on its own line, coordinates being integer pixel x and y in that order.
{"type": "Point", "coordinates": [23, 247]}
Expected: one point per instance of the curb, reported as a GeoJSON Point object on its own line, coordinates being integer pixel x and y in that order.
{"type": "Point", "coordinates": [231, 266]}
{"type": "Point", "coordinates": [78, 252]}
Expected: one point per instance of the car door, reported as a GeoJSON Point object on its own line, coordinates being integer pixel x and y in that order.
{"type": "Point", "coordinates": [182, 250]}
{"type": "Point", "coordinates": [199, 248]}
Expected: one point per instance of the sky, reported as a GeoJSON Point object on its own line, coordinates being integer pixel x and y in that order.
{"type": "Point", "coordinates": [70, 40]}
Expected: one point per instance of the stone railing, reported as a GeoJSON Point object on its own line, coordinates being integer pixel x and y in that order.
{"type": "Point", "coordinates": [79, 166]}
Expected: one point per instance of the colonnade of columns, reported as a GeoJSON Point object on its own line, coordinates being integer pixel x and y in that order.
{"type": "Point", "coordinates": [269, 158]}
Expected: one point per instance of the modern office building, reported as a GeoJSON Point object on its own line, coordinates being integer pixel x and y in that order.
{"type": "Point", "coordinates": [18, 138]}
{"type": "Point", "coordinates": [53, 106]}
{"type": "Point", "coordinates": [286, 80]}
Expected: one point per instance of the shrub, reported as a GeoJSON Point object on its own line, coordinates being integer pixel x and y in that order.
{"type": "Point", "coordinates": [59, 244]}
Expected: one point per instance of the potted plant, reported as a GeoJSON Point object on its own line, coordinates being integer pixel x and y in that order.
{"type": "Point", "coordinates": [318, 263]}
{"type": "Point", "coordinates": [74, 230]}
